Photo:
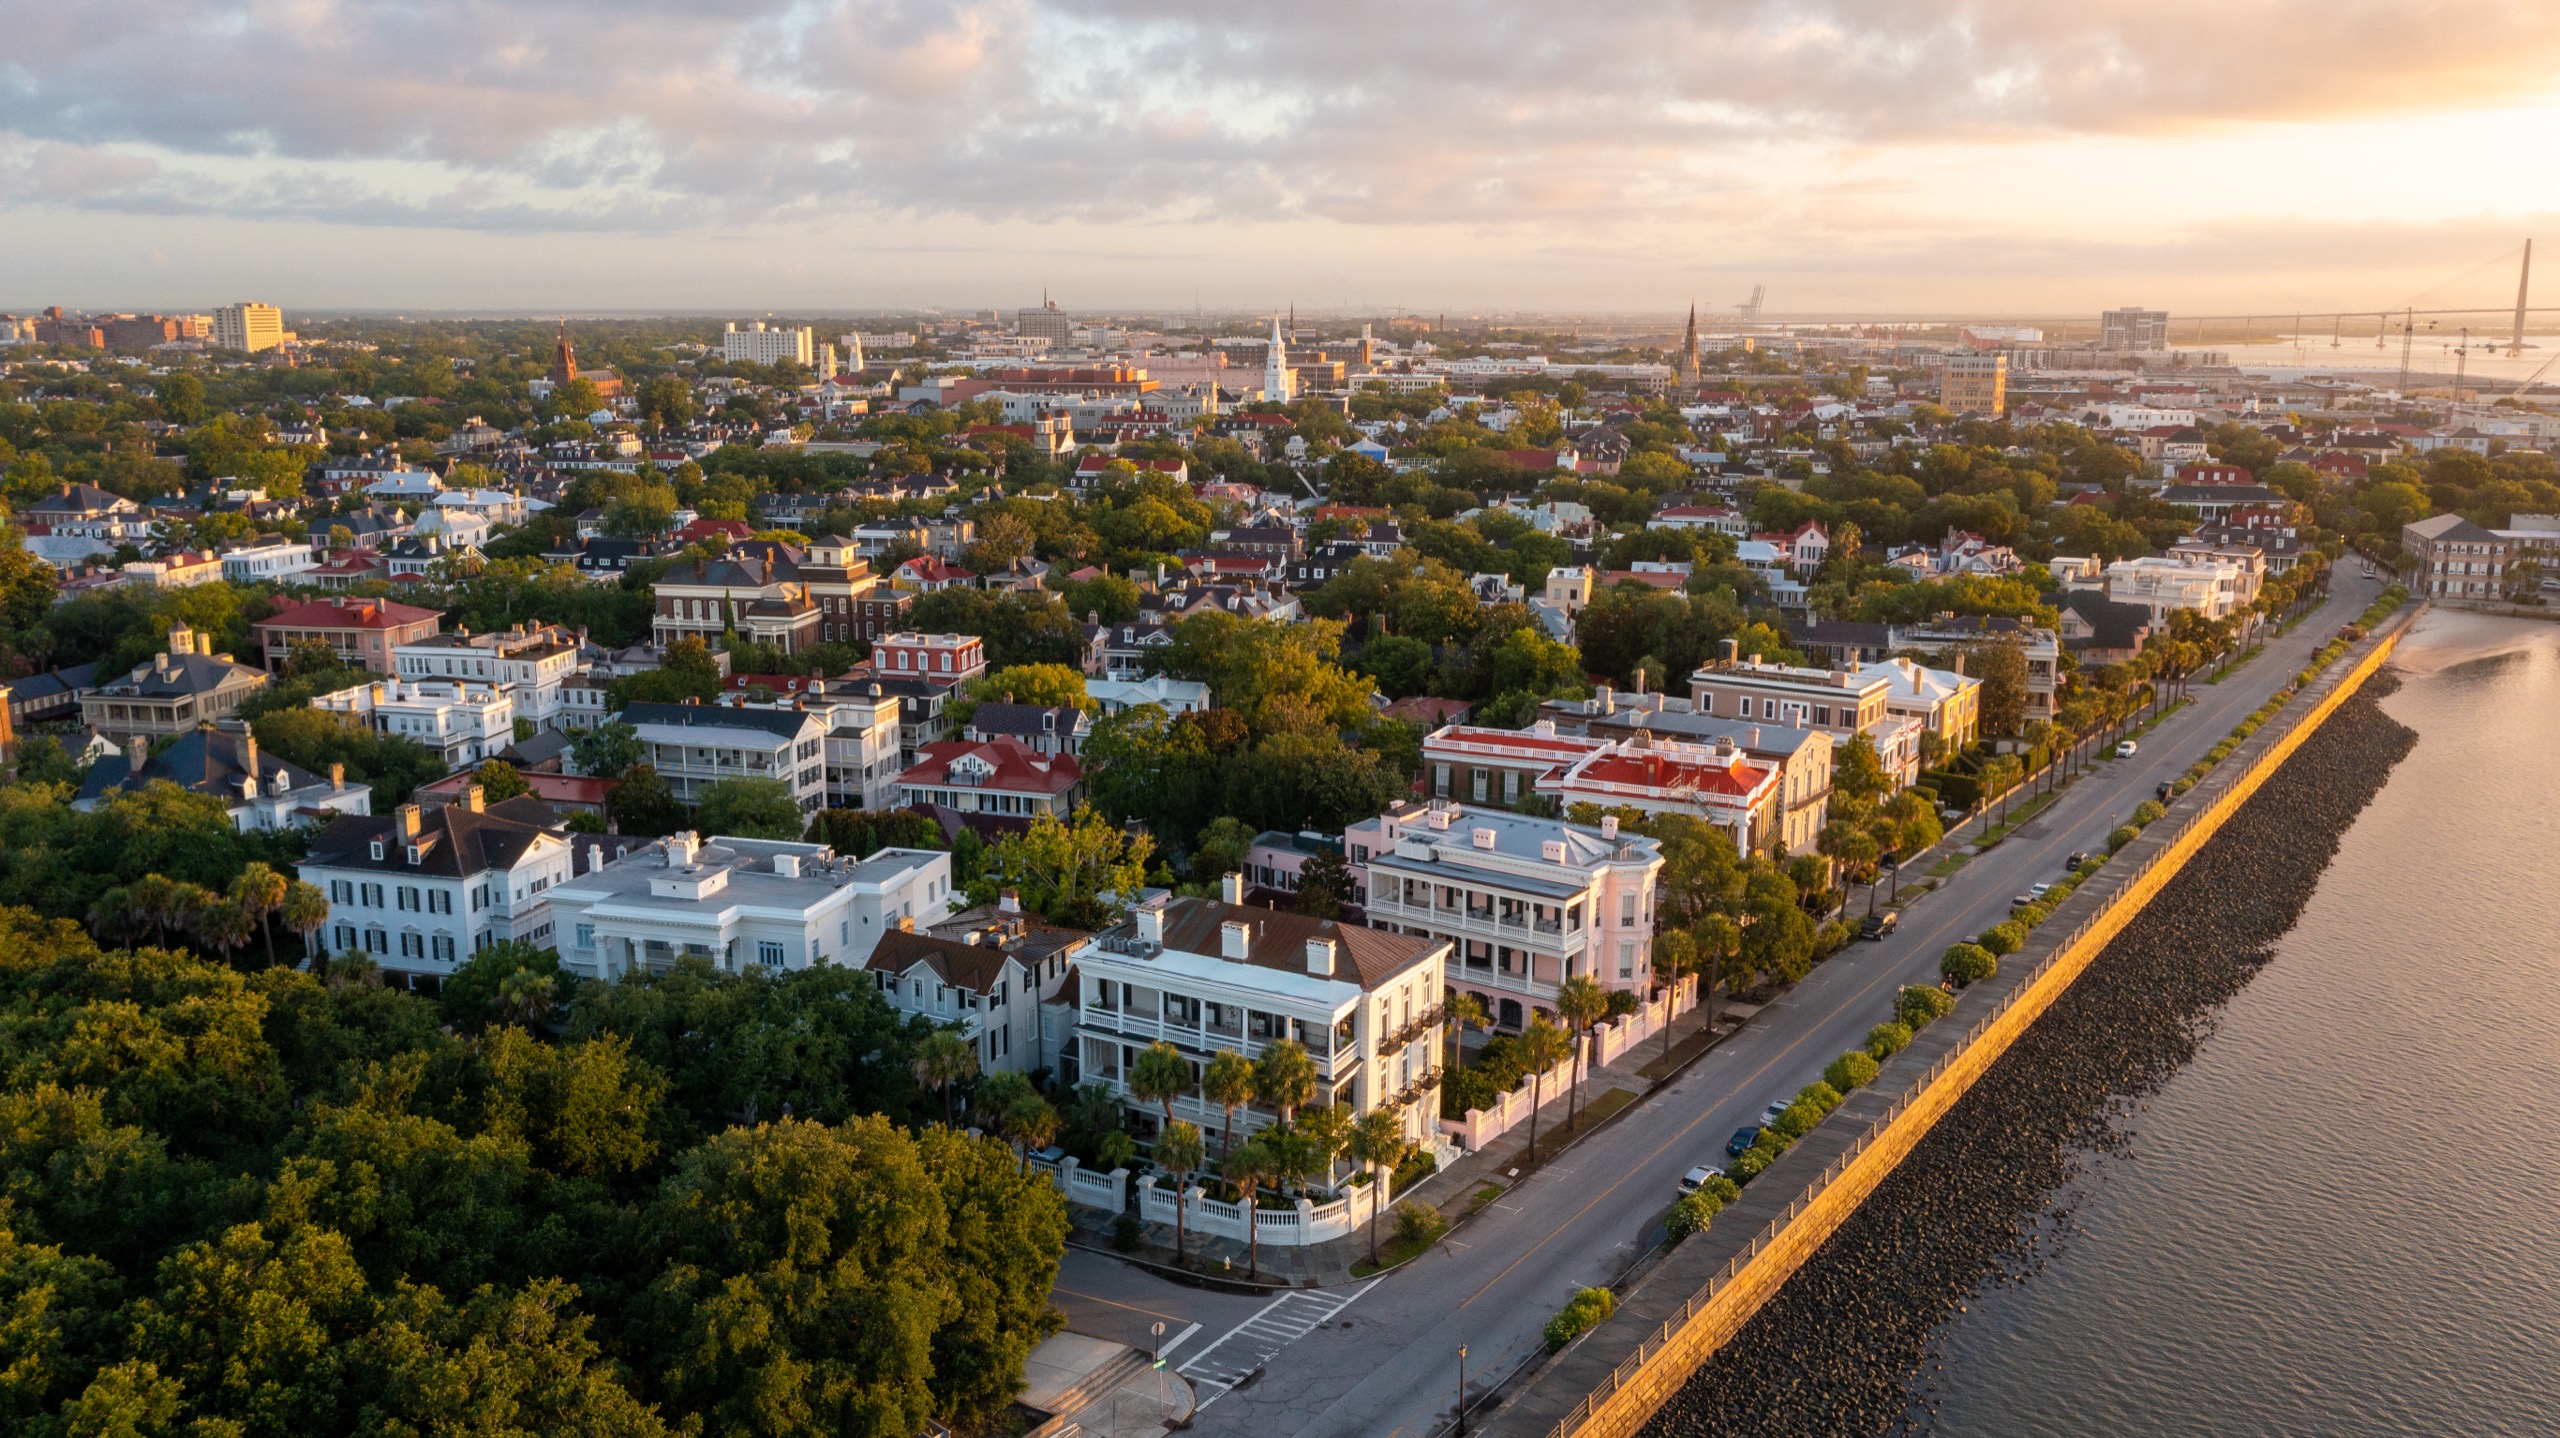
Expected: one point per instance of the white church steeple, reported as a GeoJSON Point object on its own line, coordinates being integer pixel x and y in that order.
{"type": "Point", "coordinates": [1278, 384]}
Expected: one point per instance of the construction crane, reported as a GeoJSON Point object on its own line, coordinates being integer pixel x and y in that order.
{"type": "Point", "coordinates": [1750, 310]}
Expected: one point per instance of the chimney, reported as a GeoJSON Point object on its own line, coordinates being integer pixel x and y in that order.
{"type": "Point", "coordinates": [1755, 661]}
{"type": "Point", "coordinates": [1959, 664]}
{"type": "Point", "coordinates": [1600, 700]}
{"type": "Point", "coordinates": [1151, 923]}
{"type": "Point", "coordinates": [1235, 938]}
{"type": "Point", "coordinates": [1320, 957]}
{"type": "Point", "coordinates": [337, 778]}
{"type": "Point", "coordinates": [1733, 651]}
{"type": "Point", "coordinates": [407, 814]}
{"type": "Point", "coordinates": [1544, 728]}
{"type": "Point", "coordinates": [1009, 901]}
{"type": "Point", "coordinates": [1608, 826]}
{"type": "Point", "coordinates": [249, 751]}
{"type": "Point", "coordinates": [786, 866]}
{"type": "Point", "coordinates": [1483, 838]}
{"type": "Point", "coordinates": [1552, 851]}
{"type": "Point", "coordinates": [681, 847]}
{"type": "Point", "coordinates": [476, 799]}
{"type": "Point", "coordinates": [1754, 741]}
{"type": "Point", "coordinates": [1231, 887]}
{"type": "Point", "coordinates": [1440, 818]}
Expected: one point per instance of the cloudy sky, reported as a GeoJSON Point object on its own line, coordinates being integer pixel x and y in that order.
{"type": "Point", "coordinates": [1874, 156]}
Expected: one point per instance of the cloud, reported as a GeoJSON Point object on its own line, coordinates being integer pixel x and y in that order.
{"type": "Point", "coordinates": [669, 116]}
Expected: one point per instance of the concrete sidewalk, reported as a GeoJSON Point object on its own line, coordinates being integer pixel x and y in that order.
{"type": "Point", "coordinates": [1104, 1388]}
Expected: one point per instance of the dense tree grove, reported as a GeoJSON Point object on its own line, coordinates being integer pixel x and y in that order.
{"type": "Point", "coordinates": [273, 1204]}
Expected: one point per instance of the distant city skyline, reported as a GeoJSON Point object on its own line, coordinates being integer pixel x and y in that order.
{"type": "Point", "coordinates": [1936, 157]}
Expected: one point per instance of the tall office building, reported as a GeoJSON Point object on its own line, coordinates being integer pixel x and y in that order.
{"type": "Point", "coordinates": [2133, 330]}
{"type": "Point", "coordinates": [246, 326]}
{"type": "Point", "coordinates": [1044, 323]}
{"type": "Point", "coordinates": [760, 345]}
{"type": "Point", "coordinates": [1974, 383]}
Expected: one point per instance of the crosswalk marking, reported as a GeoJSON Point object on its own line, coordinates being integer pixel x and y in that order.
{"type": "Point", "coordinates": [1215, 1370]}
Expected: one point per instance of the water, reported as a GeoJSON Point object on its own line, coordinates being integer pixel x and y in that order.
{"type": "Point", "coordinates": [2337, 1220]}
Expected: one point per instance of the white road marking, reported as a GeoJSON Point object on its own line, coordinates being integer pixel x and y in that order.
{"type": "Point", "coordinates": [1176, 1340]}
{"type": "Point", "coordinates": [1218, 1368]}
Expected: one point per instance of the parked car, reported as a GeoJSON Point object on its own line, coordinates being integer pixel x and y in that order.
{"type": "Point", "coordinates": [1696, 1178]}
{"type": "Point", "coordinates": [2020, 901]}
{"type": "Point", "coordinates": [2166, 792]}
{"type": "Point", "coordinates": [1742, 1140]}
{"type": "Point", "coordinates": [2127, 749]}
{"type": "Point", "coordinates": [1876, 926]}
{"type": "Point", "coordinates": [2078, 857]}
{"type": "Point", "coordinates": [1776, 1107]}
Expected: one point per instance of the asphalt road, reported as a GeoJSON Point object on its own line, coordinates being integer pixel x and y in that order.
{"type": "Point", "coordinates": [1381, 1360]}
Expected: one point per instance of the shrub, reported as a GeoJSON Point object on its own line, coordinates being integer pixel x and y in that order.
{"type": "Point", "coordinates": [1419, 1224]}
{"type": "Point", "coordinates": [1820, 1094]}
{"type": "Point", "coordinates": [1422, 1165]}
{"type": "Point", "coordinates": [1854, 1069]}
{"type": "Point", "coordinates": [1967, 964]}
{"type": "Point", "coordinates": [1747, 1167]}
{"type": "Point", "coordinates": [1800, 1117]}
{"type": "Point", "coordinates": [1832, 937]}
{"type": "Point", "coordinates": [1468, 1088]}
{"type": "Point", "coordinates": [1580, 1316]}
{"type": "Point", "coordinates": [1125, 1232]}
{"type": "Point", "coordinates": [2183, 783]}
{"type": "Point", "coordinates": [1691, 1215]}
{"type": "Point", "coordinates": [2147, 811]}
{"type": "Point", "coordinates": [2034, 915]}
{"type": "Point", "coordinates": [2004, 938]}
{"type": "Point", "coordinates": [1622, 1002]}
{"type": "Point", "coordinates": [1919, 1005]}
{"type": "Point", "coordinates": [2122, 837]}
{"type": "Point", "coordinates": [1888, 1038]}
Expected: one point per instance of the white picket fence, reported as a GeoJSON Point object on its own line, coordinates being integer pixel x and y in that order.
{"type": "Point", "coordinates": [1083, 1186]}
{"type": "Point", "coordinates": [1608, 1042]}
{"type": "Point", "coordinates": [1307, 1222]}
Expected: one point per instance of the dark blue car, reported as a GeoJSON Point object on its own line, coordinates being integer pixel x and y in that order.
{"type": "Point", "coordinates": [1742, 1140]}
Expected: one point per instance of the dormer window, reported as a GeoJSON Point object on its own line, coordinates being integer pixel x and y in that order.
{"type": "Point", "coordinates": [377, 850]}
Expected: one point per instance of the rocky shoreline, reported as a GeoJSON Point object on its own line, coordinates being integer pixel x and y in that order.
{"type": "Point", "coordinates": [1843, 1348]}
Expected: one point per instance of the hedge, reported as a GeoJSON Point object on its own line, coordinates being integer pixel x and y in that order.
{"type": "Point", "coordinates": [2147, 811]}
{"type": "Point", "coordinates": [1854, 1069]}
{"type": "Point", "coordinates": [2122, 837]}
{"type": "Point", "coordinates": [1584, 1313]}
{"type": "Point", "coordinates": [2004, 938]}
{"type": "Point", "coordinates": [1919, 1005]}
{"type": "Point", "coordinates": [1967, 964]}
{"type": "Point", "coordinates": [1888, 1038]}
{"type": "Point", "coordinates": [1696, 1210]}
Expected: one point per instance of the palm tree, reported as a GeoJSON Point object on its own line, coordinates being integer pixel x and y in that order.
{"type": "Point", "coordinates": [1159, 1076]}
{"type": "Point", "coordinates": [1581, 1002]}
{"type": "Point", "coordinates": [1326, 1130]}
{"type": "Point", "coordinates": [1246, 1166]}
{"type": "Point", "coordinates": [944, 1059]}
{"type": "Point", "coordinates": [1179, 1151]}
{"type": "Point", "coordinates": [260, 891]}
{"type": "Point", "coordinates": [1542, 1047]}
{"type": "Point", "coordinates": [1028, 1122]}
{"type": "Point", "coordinates": [112, 915]}
{"type": "Point", "coordinates": [1284, 1077]}
{"type": "Point", "coordinates": [221, 926]}
{"type": "Point", "coordinates": [525, 997]}
{"type": "Point", "coordinates": [305, 910]}
{"type": "Point", "coordinates": [1465, 1011]}
{"type": "Point", "coordinates": [1228, 1083]}
{"type": "Point", "coordinates": [1675, 957]}
{"type": "Point", "coordinates": [159, 901]}
{"type": "Point", "coordinates": [1378, 1141]}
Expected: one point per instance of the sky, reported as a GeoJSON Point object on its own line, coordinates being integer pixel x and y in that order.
{"type": "Point", "coordinates": [1879, 157]}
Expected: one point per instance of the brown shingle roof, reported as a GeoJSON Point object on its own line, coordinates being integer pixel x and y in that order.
{"type": "Point", "coordinates": [1280, 939]}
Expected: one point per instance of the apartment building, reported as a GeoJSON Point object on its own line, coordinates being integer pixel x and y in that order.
{"type": "Point", "coordinates": [1748, 689]}
{"type": "Point", "coordinates": [420, 891]}
{"type": "Point", "coordinates": [743, 905]}
{"type": "Point", "coordinates": [1210, 975]}
{"type": "Point", "coordinates": [1973, 383]}
{"type": "Point", "coordinates": [1803, 756]}
{"type": "Point", "coordinates": [280, 563]}
{"type": "Point", "coordinates": [757, 344]}
{"type": "Point", "coordinates": [992, 776]}
{"type": "Point", "coordinates": [365, 633]}
{"type": "Point", "coordinates": [1494, 766]}
{"type": "Point", "coordinates": [248, 326]}
{"type": "Point", "coordinates": [862, 727]}
{"type": "Point", "coordinates": [1716, 783]}
{"type": "Point", "coordinates": [2451, 557]}
{"type": "Point", "coordinates": [1524, 903]}
{"type": "Point", "coordinates": [944, 659]}
{"type": "Point", "coordinates": [986, 978]}
{"type": "Point", "coordinates": [530, 663]}
{"type": "Point", "coordinates": [182, 687]}
{"type": "Point", "coordinates": [2165, 585]}
{"type": "Point", "coordinates": [1945, 702]}
{"type": "Point", "coordinates": [693, 746]}
{"type": "Point", "coordinates": [463, 721]}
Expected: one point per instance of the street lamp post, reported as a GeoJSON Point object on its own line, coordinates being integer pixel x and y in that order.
{"type": "Point", "coordinates": [1462, 1389]}
{"type": "Point", "coordinates": [1156, 1332]}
